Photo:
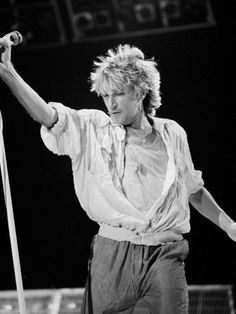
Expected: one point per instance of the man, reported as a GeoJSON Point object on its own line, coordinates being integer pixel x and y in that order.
{"type": "Point", "coordinates": [133, 175]}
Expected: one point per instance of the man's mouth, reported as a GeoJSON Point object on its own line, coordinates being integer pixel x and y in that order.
{"type": "Point", "coordinates": [115, 112]}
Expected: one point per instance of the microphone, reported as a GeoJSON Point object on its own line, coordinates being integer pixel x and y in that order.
{"type": "Point", "coordinates": [15, 38]}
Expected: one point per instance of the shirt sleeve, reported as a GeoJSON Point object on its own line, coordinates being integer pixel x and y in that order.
{"type": "Point", "coordinates": [193, 178]}
{"type": "Point", "coordinates": [68, 135]}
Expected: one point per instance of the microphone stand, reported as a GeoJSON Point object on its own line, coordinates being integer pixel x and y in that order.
{"type": "Point", "coordinates": [11, 224]}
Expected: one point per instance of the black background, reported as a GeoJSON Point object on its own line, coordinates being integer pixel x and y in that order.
{"type": "Point", "coordinates": [54, 233]}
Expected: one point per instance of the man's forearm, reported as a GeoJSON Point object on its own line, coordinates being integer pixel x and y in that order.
{"type": "Point", "coordinates": [29, 99]}
{"type": "Point", "coordinates": [205, 204]}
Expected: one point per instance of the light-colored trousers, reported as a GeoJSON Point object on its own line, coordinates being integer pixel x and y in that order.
{"type": "Point", "coordinates": [128, 278]}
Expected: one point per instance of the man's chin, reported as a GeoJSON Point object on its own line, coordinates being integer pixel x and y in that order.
{"type": "Point", "coordinates": [116, 121]}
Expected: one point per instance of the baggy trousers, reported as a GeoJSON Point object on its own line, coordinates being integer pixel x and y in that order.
{"type": "Point", "coordinates": [129, 278]}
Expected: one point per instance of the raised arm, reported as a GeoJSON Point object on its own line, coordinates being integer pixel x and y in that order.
{"type": "Point", "coordinates": [205, 204]}
{"type": "Point", "coordinates": [29, 99]}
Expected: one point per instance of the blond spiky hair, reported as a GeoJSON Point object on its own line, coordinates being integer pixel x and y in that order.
{"type": "Point", "coordinates": [127, 66]}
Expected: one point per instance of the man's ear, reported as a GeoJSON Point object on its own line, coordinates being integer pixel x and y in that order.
{"type": "Point", "coordinates": [141, 96]}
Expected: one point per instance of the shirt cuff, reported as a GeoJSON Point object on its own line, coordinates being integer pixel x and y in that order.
{"type": "Point", "coordinates": [60, 125]}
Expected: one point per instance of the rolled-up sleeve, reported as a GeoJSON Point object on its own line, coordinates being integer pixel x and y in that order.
{"type": "Point", "coordinates": [193, 178]}
{"type": "Point", "coordinates": [66, 137]}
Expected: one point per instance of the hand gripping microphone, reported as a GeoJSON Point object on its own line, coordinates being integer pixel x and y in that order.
{"type": "Point", "coordinates": [15, 38]}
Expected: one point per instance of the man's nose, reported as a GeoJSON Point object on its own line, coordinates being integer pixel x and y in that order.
{"type": "Point", "coordinates": [112, 103]}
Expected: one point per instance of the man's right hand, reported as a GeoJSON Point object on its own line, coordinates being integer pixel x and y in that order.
{"type": "Point", "coordinates": [5, 55]}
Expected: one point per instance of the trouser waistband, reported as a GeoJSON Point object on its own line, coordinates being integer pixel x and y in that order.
{"type": "Point", "coordinates": [122, 234]}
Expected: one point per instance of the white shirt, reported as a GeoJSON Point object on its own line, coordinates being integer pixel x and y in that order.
{"type": "Point", "coordinates": [96, 147]}
{"type": "Point", "coordinates": [144, 173]}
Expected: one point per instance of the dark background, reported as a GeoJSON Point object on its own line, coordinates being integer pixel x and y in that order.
{"type": "Point", "coordinates": [54, 233]}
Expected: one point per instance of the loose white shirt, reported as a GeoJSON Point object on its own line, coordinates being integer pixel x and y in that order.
{"type": "Point", "coordinates": [144, 172]}
{"type": "Point", "coordinates": [96, 147]}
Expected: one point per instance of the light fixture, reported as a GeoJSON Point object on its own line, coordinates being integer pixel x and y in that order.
{"type": "Point", "coordinates": [145, 13]}
{"type": "Point", "coordinates": [170, 11]}
{"type": "Point", "coordinates": [195, 11]}
{"type": "Point", "coordinates": [188, 13]}
{"type": "Point", "coordinates": [90, 23]}
{"type": "Point", "coordinates": [83, 21]}
{"type": "Point", "coordinates": [102, 19]}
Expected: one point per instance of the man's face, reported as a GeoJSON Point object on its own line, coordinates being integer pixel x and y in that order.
{"type": "Point", "coordinates": [123, 107]}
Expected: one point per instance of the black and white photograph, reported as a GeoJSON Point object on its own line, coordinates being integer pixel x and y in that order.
{"type": "Point", "coordinates": [117, 155]}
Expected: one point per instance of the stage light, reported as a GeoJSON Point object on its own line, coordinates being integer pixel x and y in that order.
{"type": "Point", "coordinates": [83, 21]}
{"type": "Point", "coordinates": [115, 18]}
{"type": "Point", "coordinates": [90, 18]}
{"type": "Point", "coordinates": [145, 13]}
{"type": "Point", "coordinates": [45, 23]}
{"type": "Point", "coordinates": [136, 16]}
{"type": "Point", "coordinates": [195, 11]}
{"type": "Point", "coordinates": [91, 23]}
{"type": "Point", "coordinates": [102, 19]}
{"type": "Point", "coordinates": [170, 11]}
